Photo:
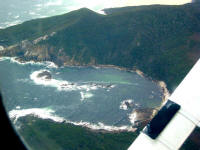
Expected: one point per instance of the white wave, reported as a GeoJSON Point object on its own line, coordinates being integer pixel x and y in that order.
{"type": "Point", "coordinates": [4, 58]}
{"type": "Point", "coordinates": [102, 126]}
{"type": "Point", "coordinates": [47, 113]}
{"type": "Point", "coordinates": [47, 64]}
{"type": "Point", "coordinates": [63, 85]}
{"type": "Point", "coordinates": [59, 84]}
{"type": "Point", "coordinates": [126, 104]}
{"type": "Point", "coordinates": [50, 64]}
{"type": "Point", "coordinates": [132, 117]}
{"type": "Point", "coordinates": [87, 87]}
{"type": "Point", "coordinates": [44, 113]}
{"type": "Point", "coordinates": [14, 60]}
{"type": "Point", "coordinates": [85, 95]}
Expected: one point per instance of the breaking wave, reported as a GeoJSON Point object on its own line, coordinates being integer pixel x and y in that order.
{"type": "Point", "coordinates": [49, 82]}
{"type": "Point", "coordinates": [48, 113]}
{"type": "Point", "coordinates": [63, 85]}
{"type": "Point", "coordinates": [126, 104]}
{"type": "Point", "coordinates": [132, 117]}
{"type": "Point", "coordinates": [47, 64]}
{"type": "Point", "coordinates": [85, 95]}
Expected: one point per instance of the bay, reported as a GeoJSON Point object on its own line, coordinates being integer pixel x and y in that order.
{"type": "Point", "coordinates": [88, 94]}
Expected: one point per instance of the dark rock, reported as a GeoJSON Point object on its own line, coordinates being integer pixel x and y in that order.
{"type": "Point", "coordinates": [129, 105]}
{"type": "Point", "coordinates": [64, 85]}
{"type": "Point", "coordinates": [45, 74]}
{"type": "Point", "coordinates": [109, 86]}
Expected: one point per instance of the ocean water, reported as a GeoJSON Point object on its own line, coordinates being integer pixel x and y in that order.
{"type": "Point", "coordinates": [87, 95]}
{"type": "Point", "coordinates": [14, 12]}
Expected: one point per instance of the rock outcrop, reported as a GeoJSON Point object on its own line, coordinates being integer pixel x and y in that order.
{"type": "Point", "coordinates": [45, 74]}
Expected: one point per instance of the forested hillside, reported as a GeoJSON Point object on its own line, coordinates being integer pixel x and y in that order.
{"type": "Point", "coordinates": [161, 41]}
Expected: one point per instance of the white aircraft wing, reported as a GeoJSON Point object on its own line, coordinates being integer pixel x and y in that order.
{"type": "Point", "coordinates": [176, 120]}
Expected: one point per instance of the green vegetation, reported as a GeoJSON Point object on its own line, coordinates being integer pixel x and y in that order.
{"type": "Point", "coordinates": [42, 134]}
{"type": "Point", "coordinates": [162, 41]}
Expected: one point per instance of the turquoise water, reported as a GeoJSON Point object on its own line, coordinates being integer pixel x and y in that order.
{"type": "Point", "coordinates": [77, 94]}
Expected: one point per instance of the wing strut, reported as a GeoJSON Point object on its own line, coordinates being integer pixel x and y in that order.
{"type": "Point", "coordinates": [176, 120]}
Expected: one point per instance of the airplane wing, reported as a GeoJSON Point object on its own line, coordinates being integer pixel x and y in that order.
{"type": "Point", "coordinates": [176, 120]}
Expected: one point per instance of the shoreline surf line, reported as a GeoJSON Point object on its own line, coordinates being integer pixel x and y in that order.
{"type": "Point", "coordinates": [47, 113]}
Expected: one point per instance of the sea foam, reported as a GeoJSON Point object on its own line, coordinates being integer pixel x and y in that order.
{"type": "Point", "coordinates": [85, 95]}
{"type": "Point", "coordinates": [63, 85]}
{"type": "Point", "coordinates": [43, 113]}
{"type": "Point", "coordinates": [132, 117]}
{"type": "Point", "coordinates": [125, 104]}
{"type": "Point", "coordinates": [48, 113]}
{"type": "Point", "coordinates": [47, 64]}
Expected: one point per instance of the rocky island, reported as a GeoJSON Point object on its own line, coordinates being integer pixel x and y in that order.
{"type": "Point", "coordinates": [45, 74]}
